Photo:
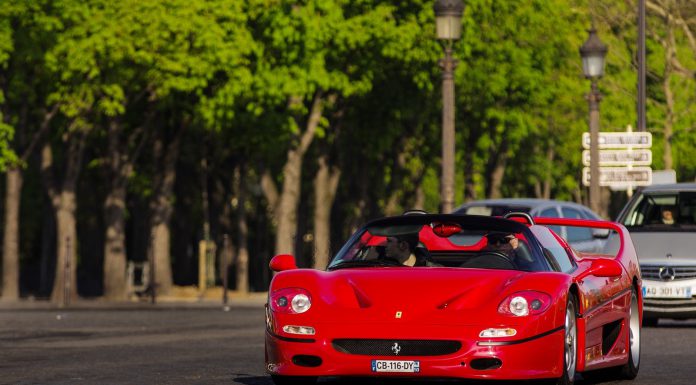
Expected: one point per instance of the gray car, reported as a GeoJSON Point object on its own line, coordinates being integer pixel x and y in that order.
{"type": "Point", "coordinates": [580, 238]}
{"type": "Point", "coordinates": [662, 223]}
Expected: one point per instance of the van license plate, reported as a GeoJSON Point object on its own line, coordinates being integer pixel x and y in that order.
{"type": "Point", "coordinates": [666, 292]}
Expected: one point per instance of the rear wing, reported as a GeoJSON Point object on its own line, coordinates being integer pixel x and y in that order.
{"type": "Point", "coordinates": [625, 243]}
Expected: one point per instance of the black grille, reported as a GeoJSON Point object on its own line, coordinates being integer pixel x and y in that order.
{"type": "Point", "coordinates": [396, 347]}
{"type": "Point", "coordinates": [652, 272]}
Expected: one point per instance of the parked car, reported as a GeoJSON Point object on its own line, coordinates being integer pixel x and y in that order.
{"type": "Point", "coordinates": [581, 238]}
{"type": "Point", "coordinates": [662, 223]}
{"type": "Point", "coordinates": [467, 310]}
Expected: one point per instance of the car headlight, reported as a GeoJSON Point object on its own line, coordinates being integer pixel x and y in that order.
{"type": "Point", "coordinates": [292, 300]}
{"type": "Point", "coordinates": [519, 306]}
{"type": "Point", "coordinates": [525, 303]}
{"type": "Point", "coordinates": [300, 303]}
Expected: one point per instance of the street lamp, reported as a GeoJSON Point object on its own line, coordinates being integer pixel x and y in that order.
{"type": "Point", "coordinates": [593, 52]}
{"type": "Point", "coordinates": [448, 19]}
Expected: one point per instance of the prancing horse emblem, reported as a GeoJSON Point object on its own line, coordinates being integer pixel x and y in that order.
{"type": "Point", "coordinates": [396, 348]}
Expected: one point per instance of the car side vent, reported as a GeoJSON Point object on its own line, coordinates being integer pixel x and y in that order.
{"type": "Point", "coordinates": [610, 333]}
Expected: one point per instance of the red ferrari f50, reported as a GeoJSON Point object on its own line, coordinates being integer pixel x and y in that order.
{"type": "Point", "coordinates": [457, 296]}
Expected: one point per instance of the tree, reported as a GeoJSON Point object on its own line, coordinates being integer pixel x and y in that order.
{"type": "Point", "coordinates": [146, 61]}
{"type": "Point", "coordinates": [518, 66]}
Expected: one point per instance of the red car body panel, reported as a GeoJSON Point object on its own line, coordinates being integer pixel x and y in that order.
{"type": "Point", "coordinates": [443, 303]}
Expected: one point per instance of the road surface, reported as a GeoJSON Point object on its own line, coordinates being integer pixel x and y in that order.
{"type": "Point", "coordinates": [206, 345]}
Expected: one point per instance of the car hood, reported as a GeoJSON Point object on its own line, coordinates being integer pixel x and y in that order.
{"type": "Point", "coordinates": [432, 295]}
{"type": "Point", "coordinates": [661, 247]}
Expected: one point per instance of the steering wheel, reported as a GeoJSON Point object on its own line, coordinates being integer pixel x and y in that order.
{"type": "Point", "coordinates": [492, 259]}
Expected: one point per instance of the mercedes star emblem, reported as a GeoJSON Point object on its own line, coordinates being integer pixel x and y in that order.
{"type": "Point", "coordinates": [396, 348]}
{"type": "Point", "coordinates": [667, 273]}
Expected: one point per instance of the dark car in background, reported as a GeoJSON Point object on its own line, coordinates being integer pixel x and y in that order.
{"type": "Point", "coordinates": [662, 223]}
{"type": "Point", "coordinates": [580, 238]}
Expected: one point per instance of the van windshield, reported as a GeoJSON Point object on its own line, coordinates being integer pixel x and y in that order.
{"type": "Point", "coordinates": [673, 211]}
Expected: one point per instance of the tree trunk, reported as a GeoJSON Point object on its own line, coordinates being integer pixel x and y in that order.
{"type": "Point", "coordinates": [543, 190]}
{"type": "Point", "coordinates": [115, 244]}
{"type": "Point", "coordinates": [497, 177]}
{"type": "Point", "coordinates": [10, 247]}
{"type": "Point", "coordinates": [13, 197]}
{"type": "Point", "coordinates": [287, 206]}
{"type": "Point", "coordinates": [162, 206]}
{"type": "Point", "coordinates": [670, 53]}
{"type": "Point", "coordinates": [325, 185]}
{"type": "Point", "coordinates": [496, 170]}
{"type": "Point", "coordinates": [548, 181]}
{"type": "Point", "coordinates": [286, 213]}
{"type": "Point", "coordinates": [469, 183]}
{"type": "Point", "coordinates": [115, 217]}
{"type": "Point", "coordinates": [65, 205]}
{"type": "Point", "coordinates": [242, 260]}
{"type": "Point", "coordinates": [66, 240]}
{"type": "Point", "coordinates": [395, 186]}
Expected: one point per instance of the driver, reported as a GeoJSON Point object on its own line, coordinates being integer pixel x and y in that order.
{"type": "Point", "coordinates": [402, 248]}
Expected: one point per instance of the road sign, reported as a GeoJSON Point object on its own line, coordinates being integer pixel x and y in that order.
{"type": "Point", "coordinates": [620, 176]}
{"type": "Point", "coordinates": [620, 157]}
{"type": "Point", "coordinates": [620, 140]}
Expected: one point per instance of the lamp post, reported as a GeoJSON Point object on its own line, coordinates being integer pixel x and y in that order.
{"type": "Point", "coordinates": [448, 18]}
{"type": "Point", "coordinates": [593, 52]}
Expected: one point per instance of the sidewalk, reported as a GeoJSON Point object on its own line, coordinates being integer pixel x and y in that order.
{"type": "Point", "coordinates": [179, 298]}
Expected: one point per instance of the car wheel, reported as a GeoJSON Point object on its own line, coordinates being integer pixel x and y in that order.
{"type": "Point", "coordinates": [650, 322]}
{"type": "Point", "coordinates": [293, 380]}
{"type": "Point", "coordinates": [630, 370]}
{"type": "Point", "coordinates": [570, 343]}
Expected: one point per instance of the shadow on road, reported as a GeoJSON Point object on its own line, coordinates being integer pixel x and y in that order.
{"type": "Point", "coordinates": [253, 380]}
{"type": "Point", "coordinates": [266, 380]}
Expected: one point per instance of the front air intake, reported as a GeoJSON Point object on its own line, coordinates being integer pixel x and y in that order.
{"type": "Point", "coordinates": [486, 363]}
{"type": "Point", "coordinates": [396, 347]}
{"type": "Point", "coordinates": [306, 360]}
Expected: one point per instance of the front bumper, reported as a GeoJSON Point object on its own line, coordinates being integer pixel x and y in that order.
{"type": "Point", "coordinates": [539, 356]}
{"type": "Point", "coordinates": [669, 297]}
{"type": "Point", "coordinates": [656, 307]}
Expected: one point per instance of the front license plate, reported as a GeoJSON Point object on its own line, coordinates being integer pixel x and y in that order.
{"type": "Point", "coordinates": [666, 292]}
{"type": "Point", "coordinates": [392, 366]}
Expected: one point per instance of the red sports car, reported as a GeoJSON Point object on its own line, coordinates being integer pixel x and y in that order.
{"type": "Point", "coordinates": [457, 296]}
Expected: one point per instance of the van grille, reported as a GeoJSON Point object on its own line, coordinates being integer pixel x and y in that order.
{"type": "Point", "coordinates": [659, 273]}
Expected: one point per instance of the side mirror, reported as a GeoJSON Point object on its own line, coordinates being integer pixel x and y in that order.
{"type": "Point", "coordinates": [604, 267]}
{"type": "Point", "coordinates": [282, 262]}
{"type": "Point", "coordinates": [601, 233]}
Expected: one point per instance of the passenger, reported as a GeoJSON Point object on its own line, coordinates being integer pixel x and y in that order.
{"type": "Point", "coordinates": [505, 243]}
{"type": "Point", "coordinates": [667, 216]}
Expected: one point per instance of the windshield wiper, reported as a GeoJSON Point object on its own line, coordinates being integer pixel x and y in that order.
{"type": "Point", "coordinates": [365, 263]}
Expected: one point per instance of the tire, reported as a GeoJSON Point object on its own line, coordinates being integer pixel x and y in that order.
{"type": "Point", "coordinates": [570, 343]}
{"type": "Point", "coordinates": [650, 322]}
{"type": "Point", "coordinates": [630, 370]}
{"type": "Point", "coordinates": [293, 380]}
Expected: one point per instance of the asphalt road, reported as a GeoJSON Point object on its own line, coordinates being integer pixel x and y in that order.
{"type": "Point", "coordinates": [169, 345]}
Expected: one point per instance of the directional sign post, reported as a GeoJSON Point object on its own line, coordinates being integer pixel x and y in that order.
{"type": "Point", "coordinates": [620, 140]}
{"type": "Point", "coordinates": [620, 157]}
{"type": "Point", "coordinates": [628, 149]}
{"type": "Point", "coordinates": [620, 176]}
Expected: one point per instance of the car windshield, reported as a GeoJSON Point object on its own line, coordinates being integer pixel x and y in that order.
{"type": "Point", "coordinates": [674, 211]}
{"type": "Point", "coordinates": [441, 241]}
{"type": "Point", "coordinates": [495, 210]}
